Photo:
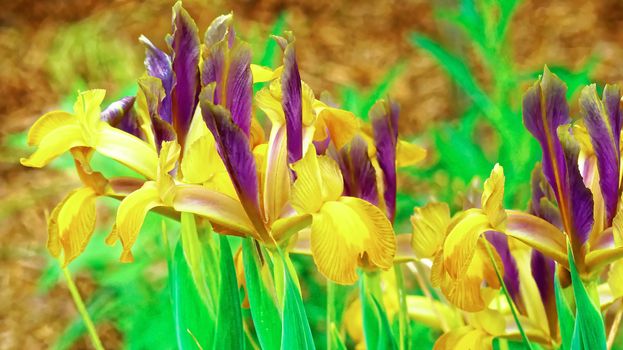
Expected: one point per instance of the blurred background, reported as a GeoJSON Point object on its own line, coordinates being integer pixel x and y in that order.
{"type": "Point", "coordinates": [458, 68]}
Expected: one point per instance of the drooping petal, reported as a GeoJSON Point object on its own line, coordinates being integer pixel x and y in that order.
{"type": "Point", "coordinates": [292, 101]}
{"type": "Point", "coordinates": [602, 119]}
{"type": "Point", "coordinates": [429, 228]}
{"type": "Point", "coordinates": [128, 150]}
{"type": "Point", "coordinates": [47, 124]}
{"type": "Point", "coordinates": [185, 62]}
{"type": "Point", "coordinates": [358, 172]}
{"type": "Point", "coordinates": [341, 125]}
{"type": "Point", "coordinates": [349, 233]}
{"type": "Point", "coordinates": [131, 214]}
{"type": "Point", "coordinates": [158, 65]}
{"type": "Point", "coordinates": [318, 180]}
{"type": "Point", "coordinates": [224, 212]}
{"type": "Point", "coordinates": [71, 224]}
{"type": "Point", "coordinates": [55, 143]}
{"type": "Point", "coordinates": [384, 119]}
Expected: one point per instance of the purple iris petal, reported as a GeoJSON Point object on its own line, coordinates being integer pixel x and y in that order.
{"type": "Point", "coordinates": [185, 47]}
{"type": "Point", "coordinates": [117, 110]}
{"type": "Point", "coordinates": [292, 101]}
{"type": "Point", "coordinates": [384, 118]}
{"type": "Point", "coordinates": [158, 65]}
{"type": "Point", "coordinates": [511, 273]}
{"type": "Point", "coordinates": [357, 170]}
{"type": "Point", "coordinates": [580, 197]}
{"type": "Point", "coordinates": [233, 147]}
{"type": "Point", "coordinates": [603, 123]}
{"type": "Point", "coordinates": [543, 269]}
{"type": "Point", "coordinates": [153, 92]}
{"type": "Point", "coordinates": [239, 97]}
{"type": "Point", "coordinates": [545, 109]}
{"type": "Point", "coordinates": [542, 203]}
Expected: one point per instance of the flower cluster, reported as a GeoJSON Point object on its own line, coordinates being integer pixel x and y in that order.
{"type": "Point", "coordinates": [193, 135]}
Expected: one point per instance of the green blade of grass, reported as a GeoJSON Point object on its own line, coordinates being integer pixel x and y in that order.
{"type": "Point", "coordinates": [229, 328]}
{"type": "Point", "coordinates": [589, 332]}
{"type": "Point", "coordinates": [262, 304]}
{"type": "Point", "coordinates": [296, 333]}
{"type": "Point", "coordinates": [376, 328]}
{"type": "Point", "coordinates": [565, 315]}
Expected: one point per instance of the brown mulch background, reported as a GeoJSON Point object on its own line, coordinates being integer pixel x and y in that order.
{"type": "Point", "coordinates": [338, 43]}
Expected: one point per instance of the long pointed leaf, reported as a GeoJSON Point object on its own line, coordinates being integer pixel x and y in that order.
{"type": "Point", "coordinates": [229, 329]}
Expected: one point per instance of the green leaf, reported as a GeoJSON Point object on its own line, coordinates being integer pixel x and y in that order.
{"type": "Point", "coordinates": [229, 328]}
{"type": "Point", "coordinates": [262, 303]}
{"type": "Point", "coordinates": [589, 332]}
{"type": "Point", "coordinates": [296, 333]}
{"type": "Point", "coordinates": [565, 315]}
{"type": "Point", "coordinates": [377, 331]}
{"type": "Point", "coordinates": [194, 327]}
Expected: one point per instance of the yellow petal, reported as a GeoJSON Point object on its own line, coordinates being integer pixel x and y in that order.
{"type": "Point", "coordinates": [54, 144]}
{"type": "Point", "coordinates": [47, 124]}
{"type": "Point", "coordinates": [408, 154]}
{"type": "Point", "coordinates": [263, 74]}
{"type": "Point", "coordinates": [87, 108]}
{"type": "Point", "coordinates": [128, 150]}
{"type": "Point", "coordinates": [276, 175]}
{"type": "Point", "coordinates": [493, 197]}
{"type": "Point", "coordinates": [169, 154]}
{"type": "Point", "coordinates": [201, 160]}
{"type": "Point", "coordinates": [256, 134]}
{"type": "Point", "coordinates": [318, 180]}
{"type": "Point", "coordinates": [71, 224]}
{"type": "Point", "coordinates": [350, 233]}
{"type": "Point", "coordinates": [342, 125]}
{"type": "Point", "coordinates": [615, 276]}
{"type": "Point", "coordinates": [429, 228]}
{"type": "Point", "coordinates": [460, 244]}
{"type": "Point", "coordinates": [491, 321]}
{"type": "Point", "coordinates": [466, 337]}
{"type": "Point", "coordinates": [131, 214]}
{"type": "Point", "coordinates": [432, 313]}
{"type": "Point", "coordinates": [617, 226]}
{"type": "Point", "coordinates": [271, 104]}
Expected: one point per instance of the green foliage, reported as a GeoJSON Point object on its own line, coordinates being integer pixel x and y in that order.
{"type": "Point", "coordinates": [462, 153]}
{"type": "Point", "coordinates": [296, 333]}
{"type": "Point", "coordinates": [565, 315]}
{"type": "Point", "coordinates": [589, 331]}
{"type": "Point", "coordinates": [376, 326]}
{"type": "Point", "coordinates": [229, 330]}
{"type": "Point", "coordinates": [262, 304]}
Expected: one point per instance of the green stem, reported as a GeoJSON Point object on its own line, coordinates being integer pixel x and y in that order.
{"type": "Point", "coordinates": [403, 317]}
{"type": "Point", "coordinates": [330, 313]}
{"type": "Point", "coordinates": [511, 304]}
{"type": "Point", "coordinates": [82, 310]}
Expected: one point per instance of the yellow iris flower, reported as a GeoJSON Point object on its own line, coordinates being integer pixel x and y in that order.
{"type": "Point", "coordinates": [346, 232]}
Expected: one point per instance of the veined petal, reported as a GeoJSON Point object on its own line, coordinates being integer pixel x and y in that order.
{"type": "Point", "coordinates": [492, 198]}
{"type": "Point", "coordinates": [318, 180]}
{"type": "Point", "coordinates": [542, 203]}
{"type": "Point", "coordinates": [158, 65]}
{"type": "Point", "coordinates": [185, 47]}
{"type": "Point", "coordinates": [71, 224]}
{"type": "Point", "coordinates": [348, 233]}
{"type": "Point", "coordinates": [131, 214]}
{"type": "Point", "coordinates": [384, 119]}
{"type": "Point", "coordinates": [201, 160]}
{"type": "Point", "coordinates": [47, 124]}
{"type": "Point", "coordinates": [461, 241]}
{"type": "Point", "coordinates": [602, 119]}
{"type": "Point", "coordinates": [239, 92]}
{"type": "Point", "coordinates": [128, 150]}
{"type": "Point", "coordinates": [358, 172]}
{"type": "Point", "coordinates": [223, 211]}
{"type": "Point", "coordinates": [429, 228]}
{"type": "Point", "coordinates": [342, 125]}
{"type": "Point", "coordinates": [114, 113]}
{"type": "Point", "coordinates": [55, 143]}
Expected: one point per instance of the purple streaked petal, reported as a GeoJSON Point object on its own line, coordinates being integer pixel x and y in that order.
{"type": "Point", "coordinates": [322, 145]}
{"type": "Point", "coordinates": [580, 198]}
{"type": "Point", "coordinates": [544, 110]}
{"type": "Point", "coordinates": [185, 47]}
{"type": "Point", "coordinates": [542, 203]}
{"type": "Point", "coordinates": [511, 273]}
{"type": "Point", "coordinates": [384, 119]}
{"type": "Point", "coordinates": [239, 90]}
{"type": "Point", "coordinates": [292, 101]}
{"type": "Point", "coordinates": [602, 120]}
{"type": "Point", "coordinates": [218, 29]}
{"type": "Point", "coordinates": [357, 170]}
{"type": "Point", "coordinates": [158, 65]}
{"type": "Point", "coordinates": [154, 97]}
{"type": "Point", "coordinates": [543, 269]}
{"type": "Point", "coordinates": [117, 110]}
{"type": "Point", "coordinates": [233, 147]}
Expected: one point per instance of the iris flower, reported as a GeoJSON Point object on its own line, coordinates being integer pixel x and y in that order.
{"type": "Point", "coordinates": [191, 133]}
